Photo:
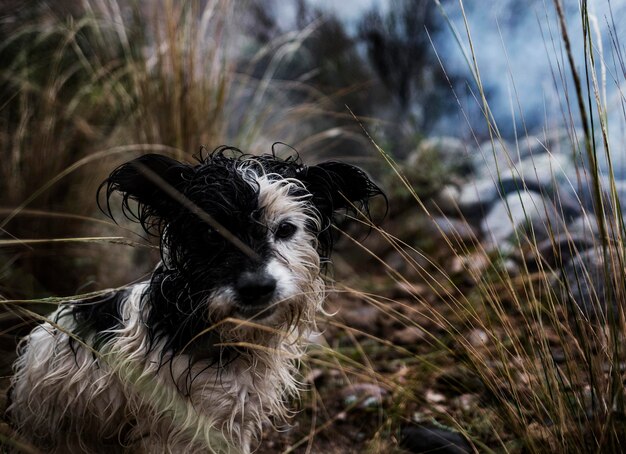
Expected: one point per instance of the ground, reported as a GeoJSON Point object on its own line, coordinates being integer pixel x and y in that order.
{"type": "Point", "coordinates": [378, 367]}
{"type": "Point", "coordinates": [399, 351]}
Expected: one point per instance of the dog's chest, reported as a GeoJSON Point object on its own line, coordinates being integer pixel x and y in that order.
{"type": "Point", "coordinates": [232, 392]}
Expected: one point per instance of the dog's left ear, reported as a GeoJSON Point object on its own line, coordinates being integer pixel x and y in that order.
{"type": "Point", "coordinates": [152, 181]}
{"type": "Point", "coordinates": [338, 186]}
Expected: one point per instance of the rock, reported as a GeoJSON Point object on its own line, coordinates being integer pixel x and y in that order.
{"type": "Point", "coordinates": [407, 264]}
{"type": "Point", "coordinates": [523, 213]}
{"type": "Point", "coordinates": [364, 318]}
{"type": "Point", "coordinates": [466, 402]}
{"type": "Point", "coordinates": [434, 397]}
{"type": "Point", "coordinates": [476, 197]}
{"type": "Point", "coordinates": [477, 337]}
{"type": "Point", "coordinates": [585, 225]}
{"type": "Point", "coordinates": [493, 157]}
{"type": "Point", "coordinates": [473, 265]}
{"type": "Point", "coordinates": [432, 440]}
{"type": "Point", "coordinates": [459, 380]}
{"type": "Point", "coordinates": [447, 200]}
{"type": "Point", "coordinates": [366, 394]}
{"type": "Point", "coordinates": [408, 290]}
{"type": "Point", "coordinates": [458, 231]}
{"type": "Point", "coordinates": [583, 189]}
{"type": "Point", "coordinates": [554, 146]}
{"type": "Point", "coordinates": [510, 267]}
{"type": "Point", "coordinates": [555, 141]}
{"type": "Point", "coordinates": [504, 169]}
{"type": "Point", "coordinates": [452, 153]}
{"type": "Point", "coordinates": [408, 335]}
{"type": "Point", "coordinates": [568, 205]}
{"type": "Point", "coordinates": [586, 284]}
{"type": "Point", "coordinates": [557, 251]}
{"type": "Point", "coordinates": [546, 171]}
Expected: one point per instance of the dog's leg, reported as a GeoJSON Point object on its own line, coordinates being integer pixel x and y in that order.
{"type": "Point", "coordinates": [60, 392]}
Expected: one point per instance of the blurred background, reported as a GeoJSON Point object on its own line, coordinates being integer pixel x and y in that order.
{"type": "Point", "coordinates": [495, 128]}
{"type": "Point", "coordinates": [96, 82]}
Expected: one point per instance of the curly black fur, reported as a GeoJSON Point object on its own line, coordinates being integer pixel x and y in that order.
{"type": "Point", "coordinates": [198, 258]}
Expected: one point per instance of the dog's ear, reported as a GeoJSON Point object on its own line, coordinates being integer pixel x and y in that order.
{"type": "Point", "coordinates": [339, 186]}
{"type": "Point", "coordinates": [153, 181]}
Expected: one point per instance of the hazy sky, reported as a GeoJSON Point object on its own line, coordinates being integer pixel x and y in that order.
{"type": "Point", "coordinates": [518, 49]}
{"type": "Point", "coordinates": [349, 10]}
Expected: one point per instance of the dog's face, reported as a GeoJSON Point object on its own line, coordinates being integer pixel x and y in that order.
{"type": "Point", "coordinates": [241, 236]}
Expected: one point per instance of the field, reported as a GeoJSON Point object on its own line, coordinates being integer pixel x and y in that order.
{"type": "Point", "coordinates": [482, 307]}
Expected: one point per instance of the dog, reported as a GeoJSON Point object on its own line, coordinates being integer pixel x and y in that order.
{"type": "Point", "coordinates": [203, 354]}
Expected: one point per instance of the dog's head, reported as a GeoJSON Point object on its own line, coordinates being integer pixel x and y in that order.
{"type": "Point", "coordinates": [241, 236]}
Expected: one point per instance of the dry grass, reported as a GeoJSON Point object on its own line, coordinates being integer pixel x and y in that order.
{"type": "Point", "coordinates": [550, 357]}
{"type": "Point", "coordinates": [544, 375]}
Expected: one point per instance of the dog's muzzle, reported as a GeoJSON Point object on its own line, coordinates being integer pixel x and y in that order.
{"type": "Point", "coordinates": [254, 291]}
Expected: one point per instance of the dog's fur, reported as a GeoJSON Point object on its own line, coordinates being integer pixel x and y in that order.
{"type": "Point", "coordinates": [204, 353]}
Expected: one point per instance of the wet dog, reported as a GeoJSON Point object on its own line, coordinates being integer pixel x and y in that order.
{"type": "Point", "coordinates": [204, 353]}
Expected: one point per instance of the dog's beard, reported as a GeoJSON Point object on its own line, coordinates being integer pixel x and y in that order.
{"type": "Point", "coordinates": [283, 317]}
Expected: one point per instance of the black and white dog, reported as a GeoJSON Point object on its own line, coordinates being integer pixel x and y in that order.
{"type": "Point", "coordinates": [199, 357]}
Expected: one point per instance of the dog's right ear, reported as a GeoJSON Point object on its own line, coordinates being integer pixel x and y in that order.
{"type": "Point", "coordinates": [153, 181]}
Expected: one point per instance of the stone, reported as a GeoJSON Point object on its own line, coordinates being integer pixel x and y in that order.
{"type": "Point", "coordinates": [583, 189]}
{"type": "Point", "coordinates": [407, 264]}
{"type": "Point", "coordinates": [472, 265]}
{"type": "Point", "coordinates": [522, 213]}
{"type": "Point", "coordinates": [364, 395]}
{"type": "Point", "coordinates": [447, 200]}
{"type": "Point", "coordinates": [466, 402]}
{"type": "Point", "coordinates": [477, 337]}
{"type": "Point", "coordinates": [555, 141]}
{"type": "Point", "coordinates": [547, 171]}
{"type": "Point", "coordinates": [434, 397]}
{"type": "Point", "coordinates": [586, 287]}
{"type": "Point", "coordinates": [456, 230]}
{"type": "Point", "coordinates": [477, 196]}
{"type": "Point", "coordinates": [585, 225]}
{"type": "Point", "coordinates": [504, 169]}
{"type": "Point", "coordinates": [560, 249]}
{"type": "Point", "coordinates": [363, 318]}
{"type": "Point", "coordinates": [408, 336]}
{"type": "Point", "coordinates": [451, 151]}
{"type": "Point", "coordinates": [493, 157]}
{"type": "Point", "coordinates": [430, 439]}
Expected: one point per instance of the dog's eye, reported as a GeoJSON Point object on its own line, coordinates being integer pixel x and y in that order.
{"type": "Point", "coordinates": [285, 230]}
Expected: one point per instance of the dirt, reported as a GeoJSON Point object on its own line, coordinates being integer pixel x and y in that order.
{"type": "Point", "coordinates": [386, 344]}
{"type": "Point", "coordinates": [384, 360]}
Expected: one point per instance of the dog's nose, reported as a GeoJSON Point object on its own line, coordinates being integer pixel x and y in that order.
{"type": "Point", "coordinates": [255, 288]}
